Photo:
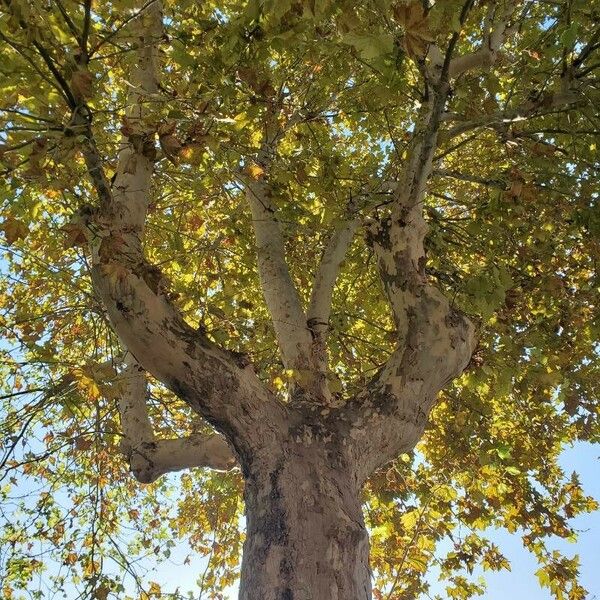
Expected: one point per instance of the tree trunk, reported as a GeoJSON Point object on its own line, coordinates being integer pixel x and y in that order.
{"type": "Point", "coordinates": [306, 537]}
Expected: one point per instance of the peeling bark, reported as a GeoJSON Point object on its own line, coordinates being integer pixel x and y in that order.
{"type": "Point", "coordinates": [306, 537]}
{"type": "Point", "coordinates": [149, 457]}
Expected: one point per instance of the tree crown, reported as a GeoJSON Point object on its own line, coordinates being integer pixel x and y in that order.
{"type": "Point", "coordinates": [311, 112]}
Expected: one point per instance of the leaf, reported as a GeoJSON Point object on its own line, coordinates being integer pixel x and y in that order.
{"type": "Point", "coordinates": [75, 235]}
{"type": "Point", "coordinates": [241, 121]}
{"type": "Point", "coordinates": [155, 589]}
{"type": "Point", "coordinates": [83, 443]}
{"type": "Point", "coordinates": [543, 577]}
{"type": "Point", "coordinates": [170, 145]}
{"type": "Point", "coordinates": [217, 312]}
{"type": "Point", "coordinates": [503, 451]}
{"type": "Point", "coordinates": [416, 28]}
{"type": "Point", "coordinates": [569, 36]}
{"type": "Point", "coordinates": [101, 592]}
{"type": "Point", "coordinates": [82, 83]}
{"type": "Point", "coordinates": [370, 46]}
{"type": "Point", "coordinates": [14, 230]}
{"type": "Point", "coordinates": [255, 171]}
{"type": "Point", "coordinates": [410, 519]}
{"type": "Point", "coordinates": [512, 470]}
{"type": "Point", "coordinates": [335, 385]}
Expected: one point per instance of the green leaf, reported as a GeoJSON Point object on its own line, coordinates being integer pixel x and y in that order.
{"type": "Point", "coordinates": [370, 46]}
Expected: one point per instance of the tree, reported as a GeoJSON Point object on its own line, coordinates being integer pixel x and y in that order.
{"type": "Point", "coordinates": [286, 242]}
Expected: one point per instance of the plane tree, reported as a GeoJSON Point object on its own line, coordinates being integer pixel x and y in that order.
{"type": "Point", "coordinates": [336, 263]}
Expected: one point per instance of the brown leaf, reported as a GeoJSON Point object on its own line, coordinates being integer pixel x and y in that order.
{"type": "Point", "coordinates": [83, 443]}
{"type": "Point", "coordinates": [167, 128]}
{"type": "Point", "coordinates": [170, 145]}
{"type": "Point", "coordinates": [127, 129]}
{"type": "Point", "coordinates": [82, 83]}
{"type": "Point", "coordinates": [414, 46]}
{"type": "Point", "coordinates": [75, 235]}
{"type": "Point", "coordinates": [101, 592]}
{"type": "Point", "coordinates": [416, 28]}
{"type": "Point", "coordinates": [412, 17]}
{"type": "Point", "coordinates": [14, 230]}
{"type": "Point", "coordinates": [249, 76]}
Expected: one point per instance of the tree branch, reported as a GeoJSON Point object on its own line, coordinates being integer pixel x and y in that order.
{"type": "Point", "coordinates": [67, 19]}
{"type": "Point", "coordinates": [281, 295]}
{"type": "Point", "coordinates": [494, 183]}
{"type": "Point", "coordinates": [320, 300]}
{"type": "Point", "coordinates": [435, 342]}
{"type": "Point", "coordinates": [61, 82]}
{"type": "Point", "coordinates": [319, 308]}
{"type": "Point", "coordinates": [150, 458]}
{"type": "Point", "coordinates": [217, 383]}
{"type": "Point", "coordinates": [497, 31]}
{"type": "Point", "coordinates": [390, 415]}
{"type": "Point", "coordinates": [85, 33]}
{"type": "Point", "coordinates": [547, 104]}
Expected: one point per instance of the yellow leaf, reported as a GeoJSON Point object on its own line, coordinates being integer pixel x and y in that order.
{"type": "Point", "coordinates": [255, 171]}
{"type": "Point", "coordinates": [410, 518]}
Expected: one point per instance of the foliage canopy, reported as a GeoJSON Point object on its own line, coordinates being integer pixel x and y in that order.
{"type": "Point", "coordinates": [514, 229]}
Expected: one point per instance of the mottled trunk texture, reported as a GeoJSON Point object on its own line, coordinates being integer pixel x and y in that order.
{"type": "Point", "coordinates": [306, 537]}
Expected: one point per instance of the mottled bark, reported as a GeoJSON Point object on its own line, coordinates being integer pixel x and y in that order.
{"type": "Point", "coordinates": [306, 538]}
{"type": "Point", "coordinates": [149, 457]}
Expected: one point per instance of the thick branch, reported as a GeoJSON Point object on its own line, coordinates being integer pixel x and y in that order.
{"type": "Point", "coordinates": [435, 342]}
{"type": "Point", "coordinates": [215, 382]}
{"type": "Point", "coordinates": [150, 458]}
{"type": "Point", "coordinates": [319, 308]}
{"type": "Point", "coordinates": [329, 268]}
{"type": "Point", "coordinates": [135, 422]}
{"type": "Point", "coordinates": [281, 295]}
{"type": "Point", "coordinates": [389, 417]}
{"type": "Point", "coordinates": [397, 240]}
